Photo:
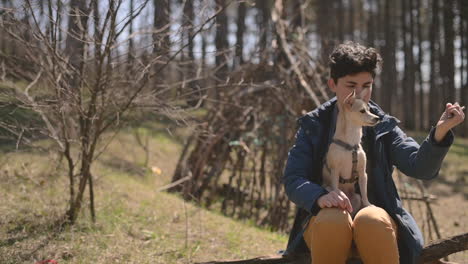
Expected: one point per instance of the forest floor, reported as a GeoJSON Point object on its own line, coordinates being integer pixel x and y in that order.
{"type": "Point", "coordinates": [136, 223]}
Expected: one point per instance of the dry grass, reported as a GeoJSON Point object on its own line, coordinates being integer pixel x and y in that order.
{"type": "Point", "coordinates": [135, 224]}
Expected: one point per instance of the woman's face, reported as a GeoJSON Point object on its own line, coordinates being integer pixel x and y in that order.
{"type": "Point", "coordinates": [346, 84]}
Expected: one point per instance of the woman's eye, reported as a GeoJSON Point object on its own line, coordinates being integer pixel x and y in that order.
{"type": "Point", "coordinates": [362, 111]}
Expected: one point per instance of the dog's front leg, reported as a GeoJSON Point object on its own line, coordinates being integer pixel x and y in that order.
{"type": "Point", "coordinates": [363, 188]}
{"type": "Point", "coordinates": [335, 178]}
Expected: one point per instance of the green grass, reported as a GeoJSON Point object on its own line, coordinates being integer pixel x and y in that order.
{"type": "Point", "coordinates": [135, 223]}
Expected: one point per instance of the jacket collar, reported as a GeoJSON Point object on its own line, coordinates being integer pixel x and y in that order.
{"type": "Point", "coordinates": [324, 114]}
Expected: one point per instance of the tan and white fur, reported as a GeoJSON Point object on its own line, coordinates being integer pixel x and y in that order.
{"type": "Point", "coordinates": [353, 114]}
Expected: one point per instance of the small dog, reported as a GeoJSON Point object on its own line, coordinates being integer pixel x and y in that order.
{"type": "Point", "coordinates": [346, 160]}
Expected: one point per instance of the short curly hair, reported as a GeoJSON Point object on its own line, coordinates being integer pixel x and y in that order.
{"type": "Point", "coordinates": [351, 58]}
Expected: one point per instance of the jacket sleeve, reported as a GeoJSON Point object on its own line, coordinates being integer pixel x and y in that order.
{"type": "Point", "coordinates": [421, 162]}
{"type": "Point", "coordinates": [299, 188]}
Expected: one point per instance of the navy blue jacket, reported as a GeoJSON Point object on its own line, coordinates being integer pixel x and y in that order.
{"type": "Point", "coordinates": [389, 146]}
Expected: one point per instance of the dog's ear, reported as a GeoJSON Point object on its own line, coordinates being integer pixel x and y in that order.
{"type": "Point", "coordinates": [349, 100]}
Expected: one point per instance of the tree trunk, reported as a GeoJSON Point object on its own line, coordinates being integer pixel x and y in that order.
{"type": "Point", "coordinates": [74, 48]}
{"type": "Point", "coordinates": [361, 21]}
{"type": "Point", "coordinates": [85, 172]}
{"type": "Point", "coordinates": [188, 26]}
{"type": "Point", "coordinates": [297, 17]}
{"type": "Point", "coordinates": [434, 91]}
{"type": "Point", "coordinates": [341, 20]}
{"type": "Point", "coordinates": [161, 24]}
{"type": "Point", "coordinates": [408, 79]}
{"type": "Point", "coordinates": [350, 19]}
{"type": "Point", "coordinates": [263, 19]}
{"type": "Point", "coordinates": [449, 61]}
{"type": "Point", "coordinates": [388, 87]}
{"type": "Point", "coordinates": [241, 13]}
{"type": "Point", "coordinates": [370, 22]}
{"type": "Point", "coordinates": [412, 71]}
{"type": "Point", "coordinates": [221, 42]}
{"type": "Point", "coordinates": [204, 44]}
{"type": "Point", "coordinates": [422, 112]}
{"type": "Point", "coordinates": [463, 9]}
{"type": "Point", "coordinates": [161, 41]}
{"type": "Point", "coordinates": [324, 29]}
{"type": "Point", "coordinates": [75, 42]}
{"type": "Point", "coordinates": [97, 33]}
{"type": "Point", "coordinates": [189, 69]}
{"type": "Point", "coordinates": [130, 55]}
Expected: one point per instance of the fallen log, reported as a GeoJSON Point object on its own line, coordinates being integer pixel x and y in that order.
{"type": "Point", "coordinates": [444, 247]}
{"type": "Point", "coordinates": [430, 254]}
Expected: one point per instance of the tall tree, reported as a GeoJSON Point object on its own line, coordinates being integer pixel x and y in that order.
{"type": "Point", "coordinates": [74, 48]}
{"type": "Point", "coordinates": [351, 11]}
{"type": "Point", "coordinates": [370, 23]}
{"type": "Point", "coordinates": [130, 54]}
{"type": "Point", "coordinates": [221, 40]}
{"type": "Point", "coordinates": [463, 28]}
{"type": "Point", "coordinates": [408, 75]}
{"type": "Point", "coordinates": [449, 59]}
{"type": "Point", "coordinates": [422, 116]}
{"type": "Point", "coordinates": [340, 19]}
{"type": "Point", "coordinates": [75, 41]}
{"type": "Point", "coordinates": [362, 14]}
{"type": "Point", "coordinates": [412, 69]}
{"type": "Point", "coordinates": [324, 29]}
{"type": "Point", "coordinates": [263, 19]}
{"type": "Point", "coordinates": [434, 42]}
{"type": "Point", "coordinates": [97, 32]}
{"type": "Point", "coordinates": [188, 20]}
{"type": "Point", "coordinates": [161, 24]}
{"type": "Point", "coordinates": [241, 13]}
{"type": "Point", "coordinates": [161, 41]}
{"type": "Point", "coordinates": [297, 17]}
{"type": "Point", "coordinates": [204, 44]}
{"type": "Point", "coordinates": [389, 57]}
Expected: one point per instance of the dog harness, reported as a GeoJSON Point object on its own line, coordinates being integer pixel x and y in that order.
{"type": "Point", "coordinates": [353, 149]}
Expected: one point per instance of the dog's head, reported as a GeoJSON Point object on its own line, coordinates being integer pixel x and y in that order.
{"type": "Point", "coordinates": [358, 111]}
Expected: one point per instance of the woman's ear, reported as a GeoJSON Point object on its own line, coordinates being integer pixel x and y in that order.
{"type": "Point", "coordinates": [331, 85]}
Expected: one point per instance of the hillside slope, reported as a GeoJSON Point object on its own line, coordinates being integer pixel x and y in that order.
{"type": "Point", "coordinates": [135, 222]}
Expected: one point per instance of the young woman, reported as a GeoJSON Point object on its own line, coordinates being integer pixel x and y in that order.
{"type": "Point", "coordinates": [385, 232]}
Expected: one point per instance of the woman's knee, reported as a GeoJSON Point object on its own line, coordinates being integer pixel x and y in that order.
{"type": "Point", "coordinates": [373, 218]}
{"type": "Point", "coordinates": [333, 218]}
{"type": "Point", "coordinates": [329, 231]}
{"type": "Point", "coordinates": [375, 235]}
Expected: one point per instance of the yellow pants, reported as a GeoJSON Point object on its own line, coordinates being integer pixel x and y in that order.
{"type": "Point", "coordinates": [330, 234]}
